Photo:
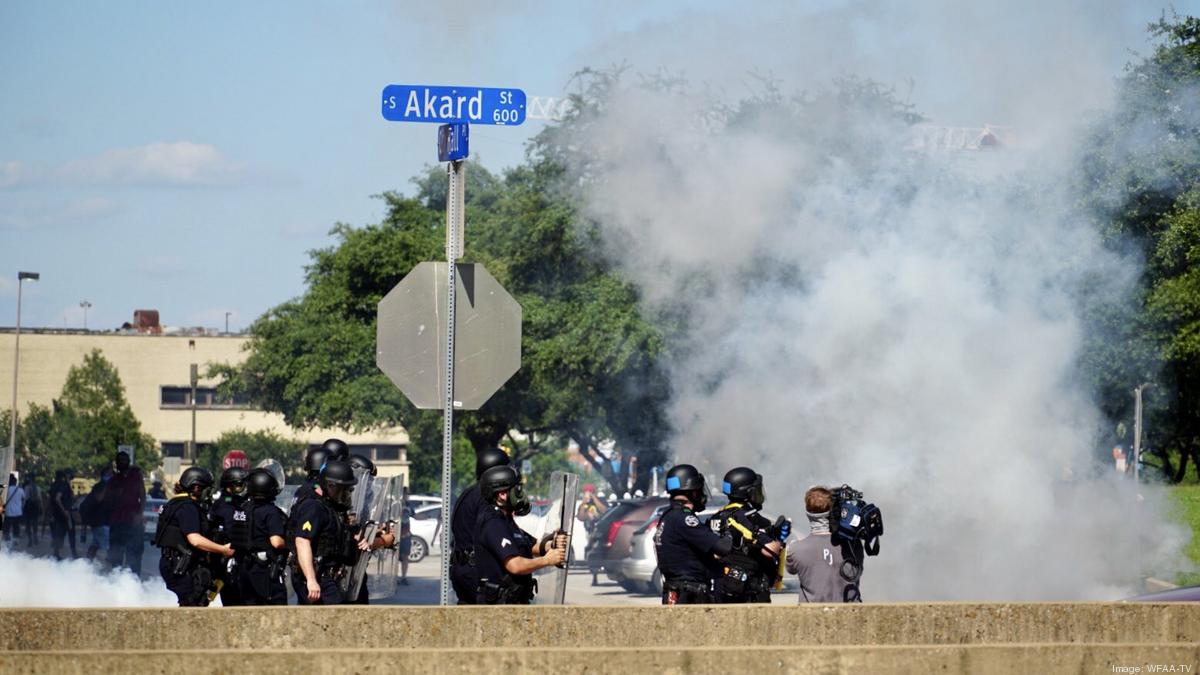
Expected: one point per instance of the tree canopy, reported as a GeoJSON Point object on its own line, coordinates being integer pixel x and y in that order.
{"type": "Point", "coordinates": [1142, 183]}
{"type": "Point", "coordinates": [84, 425]}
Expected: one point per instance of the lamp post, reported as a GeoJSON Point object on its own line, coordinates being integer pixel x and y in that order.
{"type": "Point", "coordinates": [1137, 426]}
{"type": "Point", "coordinates": [85, 305]}
{"type": "Point", "coordinates": [12, 437]}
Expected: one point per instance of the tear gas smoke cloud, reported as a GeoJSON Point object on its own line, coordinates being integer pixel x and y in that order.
{"type": "Point", "coordinates": [906, 322]}
{"type": "Point", "coordinates": [26, 581]}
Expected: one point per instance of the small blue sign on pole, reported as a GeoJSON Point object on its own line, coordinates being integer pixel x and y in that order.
{"type": "Point", "coordinates": [452, 141]}
{"type": "Point", "coordinates": [440, 105]}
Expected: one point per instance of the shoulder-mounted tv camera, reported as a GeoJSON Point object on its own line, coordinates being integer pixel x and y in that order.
{"type": "Point", "coordinates": [855, 519]}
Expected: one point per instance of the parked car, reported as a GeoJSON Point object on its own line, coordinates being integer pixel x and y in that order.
{"type": "Point", "coordinates": [150, 511]}
{"type": "Point", "coordinates": [535, 524]}
{"type": "Point", "coordinates": [613, 533]}
{"type": "Point", "coordinates": [426, 535]}
{"type": "Point", "coordinates": [420, 501]}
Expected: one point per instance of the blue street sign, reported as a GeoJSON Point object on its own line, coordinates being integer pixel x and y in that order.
{"type": "Point", "coordinates": [452, 141]}
{"type": "Point", "coordinates": [476, 105]}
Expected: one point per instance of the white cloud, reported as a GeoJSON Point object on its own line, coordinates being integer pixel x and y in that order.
{"type": "Point", "coordinates": [38, 215]}
{"type": "Point", "coordinates": [177, 163]}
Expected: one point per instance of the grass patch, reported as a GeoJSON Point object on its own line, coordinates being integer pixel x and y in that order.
{"type": "Point", "coordinates": [1187, 510]}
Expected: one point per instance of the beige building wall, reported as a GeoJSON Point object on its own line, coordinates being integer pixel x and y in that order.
{"type": "Point", "coordinates": [146, 364]}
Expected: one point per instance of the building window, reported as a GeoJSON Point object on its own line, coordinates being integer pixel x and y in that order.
{"type": "Point", "coordinates": [388, 453]}
{"type": "Point", "coordinates": [173, 449]}
{"type": "Point", "coordinates": [206, 398]}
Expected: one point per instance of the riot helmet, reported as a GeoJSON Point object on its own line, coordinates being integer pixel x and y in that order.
{"type": "Point", "coordinates": [336, 448]}
{"type": "Point", "coordinates": [314, 460]}
{"type": "Point", "coordinates": [233, 480]}
{"type": "Point", "coordinates": [685, 480]}
{"type": "Point", "coordinates": [360, 463]}
{"type": "Point", "coordinates": [261, 486]}
{"type": "Point", "coordinates": [489, 458]}
{"type": "Point", "coordinates": [337, 482]}
{"type": "Point", "coordinates": [195, 481]}
{"type": "Point", "coordinates": [505, 478]}
{"type": "Point", "coordinates": [742, 484]}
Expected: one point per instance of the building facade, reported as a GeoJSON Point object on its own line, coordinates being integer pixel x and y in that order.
{"type": "Point", "coordinates": [156, 371]}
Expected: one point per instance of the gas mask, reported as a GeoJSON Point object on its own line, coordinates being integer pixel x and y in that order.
{"type": "Point", "coordinates": [518, 503]}
{"type": "Point", "coordinates": [699, 500]}
{"type": "Point", "coordinates": [757, 494]}
{"type": "Point", "coordinates": [338, 495]}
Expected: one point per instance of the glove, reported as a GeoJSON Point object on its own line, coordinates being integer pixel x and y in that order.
{"type": "Point", "coordinates": [782, 528]}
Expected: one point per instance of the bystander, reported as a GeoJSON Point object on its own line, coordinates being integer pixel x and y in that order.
{"type": "Point", "coordinates": [127, 497]}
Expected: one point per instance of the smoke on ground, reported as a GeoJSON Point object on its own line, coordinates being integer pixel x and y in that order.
{"type": "Point", "coordinates": [903, 320]}
{"type": "Point", "coordinates": [26, 581]}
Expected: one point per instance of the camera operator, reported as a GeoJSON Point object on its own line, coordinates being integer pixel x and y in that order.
{"type": "Point", "coordinates": [816, 560]}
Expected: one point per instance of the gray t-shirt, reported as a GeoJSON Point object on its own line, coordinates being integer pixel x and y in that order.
{"type": "Point", "coordinates": [817, 563]}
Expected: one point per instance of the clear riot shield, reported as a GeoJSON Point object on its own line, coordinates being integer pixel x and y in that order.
{"type": "Point", "coordinates": [384, 563]}
{"type": "Point", "coordinates": [368, 510]}
{"type": "Point", "coordinates": [275, 468]}
{"type": "Point", "coordinates": [564, 495]}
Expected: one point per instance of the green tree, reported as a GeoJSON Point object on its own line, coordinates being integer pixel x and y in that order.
{"type": "Point", "coordinates": [1139, 179]}
{"type": "Point", "coordinates": [86, 423]}
{"type": "Point", "coordinates": [258, 445]}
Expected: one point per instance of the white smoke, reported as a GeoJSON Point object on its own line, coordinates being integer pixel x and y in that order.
{"type": "Point", "coordinates": [905, 322]}
{"type": "Point", "coordinates": [26, 581]}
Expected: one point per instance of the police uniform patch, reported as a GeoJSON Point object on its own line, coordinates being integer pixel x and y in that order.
{"type": "Point", "coordinates": [691, 521]}
{"type": "Point", "coordinates": [307, 526]}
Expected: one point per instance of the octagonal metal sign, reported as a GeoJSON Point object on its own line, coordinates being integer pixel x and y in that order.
{"type": "Point", "coordinates": [411, 340]}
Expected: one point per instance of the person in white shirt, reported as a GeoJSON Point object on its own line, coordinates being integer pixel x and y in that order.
{"type": "Point", "coordinates": [14, 509]}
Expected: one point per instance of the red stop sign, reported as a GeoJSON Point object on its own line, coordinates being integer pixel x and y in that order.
{"type": "Point", "coordinates": [235, 458]}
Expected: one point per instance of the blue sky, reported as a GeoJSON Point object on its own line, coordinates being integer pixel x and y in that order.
{"type": "Point", "coordinates": [185, 156]}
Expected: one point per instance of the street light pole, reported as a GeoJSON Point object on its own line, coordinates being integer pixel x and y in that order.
{"type": "Point", "coordinates": [1137, 426]}
{"type": "Point", "coordinates": [12, 436]}
{"type": "Point", "coordinates": [85, 305]}
{"type": "Point", "coordinates": [195, 377]}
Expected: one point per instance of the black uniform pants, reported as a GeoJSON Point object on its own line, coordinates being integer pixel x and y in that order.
{"type": "Point", "coordinates": [465, 580]}
{"type": "Point", "coordinates": [186, 586]}
{"type": "Point", "coordinates": [330, 593]}
{"type": "Point", "coordinates": [256, 586]}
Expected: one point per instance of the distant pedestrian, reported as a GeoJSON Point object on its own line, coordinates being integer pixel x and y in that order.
{"type": "Point", "coordinates": [405, 538]}
{"type": "Point", "coordinates": [33, 511]}
{"type": "Point", "coordinates": [127, 496]}
{"type": "Point", "coordinates": [14, 508]}
{"type": "Point", "coordinates": [95, 513]}
{"type": "Point", "coordinates": [156, 490]}
{"type": "Point", "coordinates": [62, 523]}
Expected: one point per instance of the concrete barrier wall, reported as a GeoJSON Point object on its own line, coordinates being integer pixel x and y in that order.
{"type": "Point", "coordinates": [599, 627]}
{"type": "Point", "coordinates": [975, 659]}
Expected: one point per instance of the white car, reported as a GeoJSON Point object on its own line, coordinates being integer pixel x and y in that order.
{"type": "Point", "coordinates": [535, 524]}
{"type": "Point", "coordinates": [426, 535]}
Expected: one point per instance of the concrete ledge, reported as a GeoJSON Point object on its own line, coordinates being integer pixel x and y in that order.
{"type": "Point", "coordinates": [975, 659]}
{"type": "Point", "coordinates": [600, 627]}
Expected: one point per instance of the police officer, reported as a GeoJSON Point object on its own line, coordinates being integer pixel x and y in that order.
{"type": "Point", "coordinates": [333, 448]}
{"type": "Point", "coordinates": [320, 538]}
{"type": "Point", "coordinates": [685, 548]}
{"type": "Point", "coordinates": [222, 515]}
{"type": "Point", "coordinates": [747, 573]}
{"type": "Point", "coordinates": [258, 543]}
{"type": "Point", "coordinates": [384, 537]}
{"type": "Point", "coordinates": [505, 555]}
{"type": "Point", "coordinates": [463, 575]}
{"type": "Point", "coordinates": [182, 527]}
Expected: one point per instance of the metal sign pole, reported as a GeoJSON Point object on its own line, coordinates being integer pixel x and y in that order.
{"type": "Point", "coordinates": [454, 219]}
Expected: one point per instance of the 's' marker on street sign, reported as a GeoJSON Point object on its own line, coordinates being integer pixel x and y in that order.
{"type": "Point", "coordinates": [439, 105]}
